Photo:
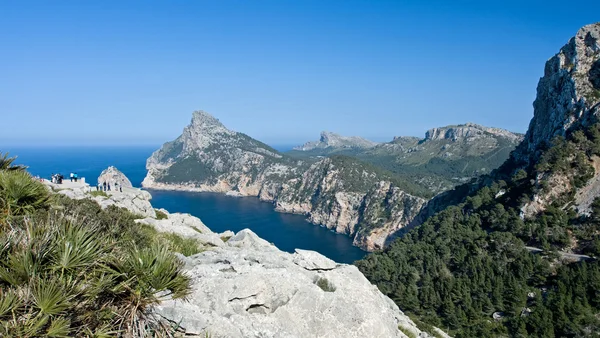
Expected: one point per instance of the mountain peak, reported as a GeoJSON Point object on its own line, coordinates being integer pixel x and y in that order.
{"type": "Point", "coordinates": [333, 140]}
{"type": "Point", "coordinates": [201, 118]}
{"type": "Point", "coordinates": [569, 92]}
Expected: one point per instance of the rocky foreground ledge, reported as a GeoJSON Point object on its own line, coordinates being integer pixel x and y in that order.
{"type": "Point", "coordinates": [243, 286]}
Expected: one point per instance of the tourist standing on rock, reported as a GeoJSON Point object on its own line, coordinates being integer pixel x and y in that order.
{"type": "Point", "coordinates": [71, 177]}
{"type": "Point", "coordinates": [104, 185]}
{"type": "Point", "coordinates": [75, 177]}
{"type": "Point", "coordinates": [108, 186]}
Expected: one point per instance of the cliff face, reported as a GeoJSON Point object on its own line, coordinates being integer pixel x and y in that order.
{"type": "Point", "coordinates": [568, 93]}
{"type": "Point", "coordinates": [337, 193]}
{"type": "Point", "coordinates": [568, 99]}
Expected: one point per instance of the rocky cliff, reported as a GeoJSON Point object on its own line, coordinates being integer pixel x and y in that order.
{"type": "Point", "coordinates": [338, 192]}
{"type": "Point", "coordinates": [244, 286]}
{"type": "Point", "coordinates": [470, 131]}
{"type": "Point", "coordinates": [332, 140]}
{"type": "Point", "coordinates": [566, 107]}
{"type": "Point", "coordinates": [568, 93]}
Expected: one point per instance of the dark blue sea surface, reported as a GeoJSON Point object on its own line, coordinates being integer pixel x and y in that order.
{"type": "Point", "coordinates": [217, 211]}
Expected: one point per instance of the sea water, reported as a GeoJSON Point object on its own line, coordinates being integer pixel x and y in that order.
{"type": "Point", "coordinates": [217, 211]}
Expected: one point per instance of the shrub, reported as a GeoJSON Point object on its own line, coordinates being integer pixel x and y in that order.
{"type": "Point", "coordinates": [160, 215]}
{"type": "Point", "coordinates": [69, 268]}
{"type": "Point", "coordinates": [21, 194]}
{"type": "Point", "coordinates": [97, 193]}
{"type": "Point", "coordinates": [325, 284]}
{"type": "Point", "coordinates": [185, 246]}
{"type": "Point", "coordinates": [58, 275]}
{"type": "Point", "coordinates": [407, 332]}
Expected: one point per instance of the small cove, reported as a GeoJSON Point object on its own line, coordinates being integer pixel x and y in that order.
{"type": "Point", "coordinates": [218, 211]}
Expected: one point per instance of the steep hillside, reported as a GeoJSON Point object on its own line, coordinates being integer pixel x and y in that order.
{"type": "Point", "coordinates": [514, 255]}
{"type": "Point", "coordinates": [342, 193]}
{"type": "Point", "coordinates": [446, 157]}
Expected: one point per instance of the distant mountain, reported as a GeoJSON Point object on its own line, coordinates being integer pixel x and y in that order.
{"type": "Point", "coordinates": [332, 140]}
{"type": "Point", "coordinates": [447, 156]}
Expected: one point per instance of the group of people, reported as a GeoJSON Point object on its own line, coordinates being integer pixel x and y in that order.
{"type": "Point", "coordinates": [74, 177]}
{"type": "Point", "coordinates": [57, 178]}
{"type": "Point", "coordinates": [105, 186]}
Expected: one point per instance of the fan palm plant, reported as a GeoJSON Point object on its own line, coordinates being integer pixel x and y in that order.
{"type": "Point", "coordinates": [7, 163]}
{"type": "Point", "coordinates": [20, 193]}
{"type": "Point", "coordinates": [78, 270]}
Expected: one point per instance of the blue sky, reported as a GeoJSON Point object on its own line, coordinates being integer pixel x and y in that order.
{"type": "Point", "coordinates": [131, 72]}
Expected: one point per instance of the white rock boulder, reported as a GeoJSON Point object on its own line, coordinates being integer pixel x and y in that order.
{"type": "Point", "coordinates": [112, 175]}
{"type": "Point", "coordinates": [249, 288]}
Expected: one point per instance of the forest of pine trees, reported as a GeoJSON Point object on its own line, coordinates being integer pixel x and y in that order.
{"type": "Point", "coordinates": [469, 261]}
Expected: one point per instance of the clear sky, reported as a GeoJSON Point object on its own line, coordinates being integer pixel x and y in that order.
{"type": "Point", "coordinates": [132, 72]}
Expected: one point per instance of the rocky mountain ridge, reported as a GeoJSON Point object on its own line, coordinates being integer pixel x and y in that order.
{"type": "Point", "coordinates": [445, 157]}
{"type": "Point", "coordinates": [333, 140]}
{"type": "Point", "coordinates": [469, 131]}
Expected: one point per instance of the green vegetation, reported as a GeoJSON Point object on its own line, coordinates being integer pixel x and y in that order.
{"type": "Point", "coordinates": [325, 284]}
{"type": "Point", "coordinates": [427, 167]}
{"type": "Point", "coordinates": [176, 243]}
{"type": "Point", "coordinates": [97, 193]}
{"type": "Point", "coordinates": [408, 333]}
{"type": "Point", "coordinates": [70, 269]}
{"type": "Point", "coordinates": [469, 261]}
{"type": "Point", "coordinates": [160, 215]}
{"type": "Point", "coordinates": [352, 173]}
{"type": "Point", "coordinates": [225, 238]}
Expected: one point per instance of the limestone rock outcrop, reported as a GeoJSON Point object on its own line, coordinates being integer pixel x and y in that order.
{"type": "Point", "coordinates": [248, 288]}
{"type": "Point", "coordinates": [135, 200]}
{"type": "Point", "coordinates": [469, 131]}
{"type": "Point", "coordinates": [568, 98]}
{"type": "Point", "coordinates": [112, 175]}
{"type": "Point", "coordinates": [569, 92]}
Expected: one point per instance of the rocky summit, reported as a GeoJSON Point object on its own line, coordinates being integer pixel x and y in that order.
{"type": "Point", "coordinates": [244, 286]}
{"type": "Point", "coordinates": [568, 93]}
{"type": "Point", "coordinates": [332, 140]}
{"type": "Point", "coordinates": [568, 99]}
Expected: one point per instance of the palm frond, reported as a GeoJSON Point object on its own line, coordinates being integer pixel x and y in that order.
{"type": "Point", "coordinates": [59, 327]}
{"type": "Point", "coordinates": [21, 194]}
{"type": "Point", "coordinates": [77, 247]}
{"type": "Point", "coordinates": [9, 302]}
{"type": "Point", "coordinates": [49, 296]}
{"type": "Point", "coordinates": [7, 163]}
